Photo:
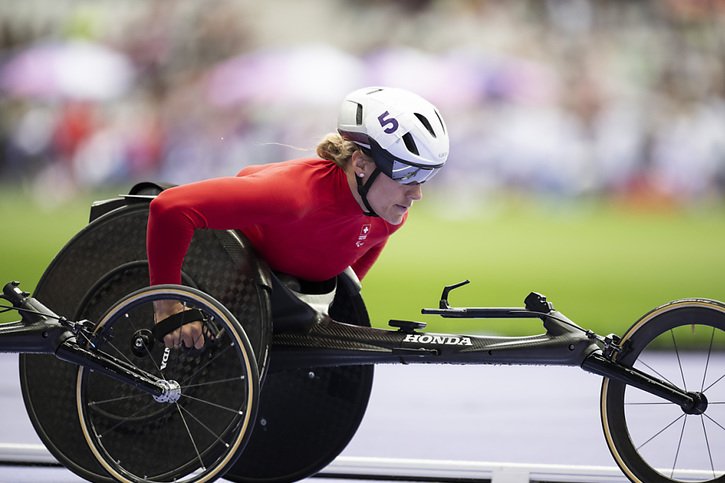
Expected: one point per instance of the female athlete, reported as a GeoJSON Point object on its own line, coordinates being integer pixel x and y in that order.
{"type": "Point", "coordinates": [310, 218]}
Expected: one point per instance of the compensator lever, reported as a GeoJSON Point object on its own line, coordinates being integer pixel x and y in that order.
{"type": "Point", "coordinates": [443, 304]}
{"type": "Point", "coordinates": [537, 303]}
{"type": "Point", "coordinates": [537, 307]}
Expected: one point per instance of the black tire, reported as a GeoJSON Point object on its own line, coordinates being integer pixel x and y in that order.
{"type": "Point", "coordinates": [652, 440]}
{"type": "Point", "coordinates": [105, 261]}
{"type": "Point", "coordinates": [197, 435]}
{"type": "Point", "coordinates": [308, 416]}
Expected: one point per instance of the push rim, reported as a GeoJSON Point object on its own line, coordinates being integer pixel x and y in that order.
{"type": "Point", "coordinates": [134, 437]}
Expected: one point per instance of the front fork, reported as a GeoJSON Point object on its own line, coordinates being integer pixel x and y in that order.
{"type": "Point", "coordinates": [161, 389]}
{"type": "Point", "coordinates": [41, 331]}
{"type": "Point", "coordinates": [603, 365]}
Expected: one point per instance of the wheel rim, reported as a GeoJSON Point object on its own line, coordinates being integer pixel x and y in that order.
{"type": "Point", "coordinates": [136, 438]}
{"type": "Point", "coordinates": [653, 440]}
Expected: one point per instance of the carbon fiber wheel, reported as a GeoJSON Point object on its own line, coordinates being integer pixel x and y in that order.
{"type": "Point", "coordinates": [655, 441]}
{"type": "Point", "coordinates": [105, 261]}
{"type": "Point", "coordinates": [196, 431]}
{"type": "Point", "coordinates": [307, 416]}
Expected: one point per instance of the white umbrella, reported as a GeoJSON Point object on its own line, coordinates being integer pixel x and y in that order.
{"type": "Point", "coordinates": [445, 80]}
{"type": "Point", "coordinates": [306, 75]}
{"type": "Point", "coordinates": [73, 69]}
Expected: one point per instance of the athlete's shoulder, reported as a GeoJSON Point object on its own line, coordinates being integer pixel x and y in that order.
{"type": "Point", "coordinates": [309, 166]}
{"type": "Point", "coordinates": [320, 178]}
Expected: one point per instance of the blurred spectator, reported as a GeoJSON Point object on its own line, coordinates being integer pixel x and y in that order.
{"type": "Point", "coordinates": [561, 98]}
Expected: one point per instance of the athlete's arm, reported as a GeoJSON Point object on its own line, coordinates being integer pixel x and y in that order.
{"type": "Point", "coordinates": [221, 203]}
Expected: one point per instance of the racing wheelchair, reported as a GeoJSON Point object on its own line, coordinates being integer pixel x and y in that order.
{"type": "Point", "coordinates": [280, 386]}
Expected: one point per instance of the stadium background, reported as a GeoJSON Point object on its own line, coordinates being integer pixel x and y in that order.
{"type": "Point", "coordinates": [588, 137]}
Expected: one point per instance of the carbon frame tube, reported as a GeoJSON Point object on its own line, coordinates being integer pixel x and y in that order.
{"type": "Point", "coordinates": [332, 343]}
{"type": "Point", "coordinates": [51, 338]}
{"type": "Point", "coordinates": [36, 338]}
{"type": "Point", "coordinates": [598, 364]}
{"type": "Point", "coordinates": [109, 366]}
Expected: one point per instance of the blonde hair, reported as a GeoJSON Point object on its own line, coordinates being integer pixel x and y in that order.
{"type": "Point", "coordinates": [336, 149]}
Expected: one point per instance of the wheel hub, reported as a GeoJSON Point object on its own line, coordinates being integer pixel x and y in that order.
{"type": "Point", "coordinates": [699, 404]}
{"type": "Point", "coordinates": [171, 394]}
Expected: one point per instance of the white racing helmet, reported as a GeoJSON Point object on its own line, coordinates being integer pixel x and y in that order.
{"type": "Point", "coordinates": [403, 133]}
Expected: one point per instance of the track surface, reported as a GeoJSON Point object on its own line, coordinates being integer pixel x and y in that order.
{"type": "Point", "coordinates": [509, 414]}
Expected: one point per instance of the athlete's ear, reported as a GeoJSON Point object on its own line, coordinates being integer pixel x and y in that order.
{"type": "Point", "coordinates": [361, 163]}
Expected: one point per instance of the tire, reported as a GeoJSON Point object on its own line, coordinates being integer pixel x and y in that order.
{"type": "Point", "coordinates": [308, 416]}
{"type": "Point", "coordinates": [105, 261]}
{"type": "Point", "coordinates": [655, 441]}
{"type": "Point", "coordinates": [197, 435]}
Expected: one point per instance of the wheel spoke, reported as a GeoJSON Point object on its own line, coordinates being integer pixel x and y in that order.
{"type": "Point", "coordinates": [203, 366]}
{"type": "Point", "coordinates": [220, 381]}
{"type": "Point", "coordinates": [715, 422]}
{"type": "Point", "coordinates": [128, 361]}
{"type": "Point", "coordinates": [707, 443]}
{"type": "Point", "coordinates": [118, 399]}
{"type": "Point", "coordinates": [127, 419]}
{"type": "Point", "coordinates": [707, 362]}
{"type": "Point", "coordinates": [203, 425]}
{"type": "Point", "coordinates": [716, 381]}
{"type": "Point", "coordinates": [664, 378]}
{"type": "Point", "coordinates": [679, 362]}
{"type": "Point", "coordinates": [191, 438]}
{"type": "Point", "coordinates": [204, 401]}
{"type": "Point", "coordinates": [660, 431]}
{"type": "Point", "coordinates": [654, 403]}
{"type": "Point", "coordinates": [121, 354]}
{"type": "Point", "coordinates": [679, 445]}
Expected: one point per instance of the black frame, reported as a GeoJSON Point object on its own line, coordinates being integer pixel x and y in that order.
{"type": "Point", "coordinates": [41, 331]}
{"type": "Point", "coordinates": [323, 342]}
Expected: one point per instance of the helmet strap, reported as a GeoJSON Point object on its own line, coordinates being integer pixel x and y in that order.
{"type": "Point", "coordinates": [362, 190]}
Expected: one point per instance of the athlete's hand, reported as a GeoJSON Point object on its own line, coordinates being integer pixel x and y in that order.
{"type": "Point", "coordinates": [188, 335]}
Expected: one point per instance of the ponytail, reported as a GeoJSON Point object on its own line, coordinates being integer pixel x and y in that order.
{"type": "Point", "coordinates": [336, 149]}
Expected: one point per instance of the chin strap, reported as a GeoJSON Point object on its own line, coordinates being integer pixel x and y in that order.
{"type": "Point", "coordinates": [362, 190]}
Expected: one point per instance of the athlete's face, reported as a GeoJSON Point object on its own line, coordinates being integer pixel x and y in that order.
{"type": "Point", "coordinates": [389, 199]}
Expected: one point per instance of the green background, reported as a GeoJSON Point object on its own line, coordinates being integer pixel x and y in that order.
{"type": "Point", "coordinates": [603, 264]}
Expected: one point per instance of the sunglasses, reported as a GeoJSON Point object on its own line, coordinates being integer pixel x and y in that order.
{"type": "Point", "coordinates": [409, 174]}
{"type": "Point", "coordinates": [404, 172]}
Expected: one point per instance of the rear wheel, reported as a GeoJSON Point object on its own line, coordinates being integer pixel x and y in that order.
{"type": "Point", "coordinates": [307, 416]}
{"type": "Point", "coordinates": [653, 440]}
{"type": "Point", "coordinates": [199, 431]}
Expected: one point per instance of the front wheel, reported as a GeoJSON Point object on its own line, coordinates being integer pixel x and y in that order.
{"type": "Point", "coordinates": [194, 436]}
{"type": "Point", "coordinates": [653, 440]}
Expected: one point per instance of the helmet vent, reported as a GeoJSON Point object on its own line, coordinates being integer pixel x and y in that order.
{"type": "Point", "coordinates": [410, 143]}
{"type": "Point", "coordinates": [424, 120]}
{"type": "Point", "coordinates": [359, 115]}
{"type": "Point", "coordinates": [443, 126]}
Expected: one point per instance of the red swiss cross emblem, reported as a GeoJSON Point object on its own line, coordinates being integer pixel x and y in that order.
{"type": "Point", "coordinates": [364, 231]}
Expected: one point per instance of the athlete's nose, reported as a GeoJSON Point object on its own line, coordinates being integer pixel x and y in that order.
{"type": "Point", "coordinates": [415, 191]}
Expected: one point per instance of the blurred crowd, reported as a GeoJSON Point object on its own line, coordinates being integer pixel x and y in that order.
{"type": "Point", "coordinates": [562, 98]}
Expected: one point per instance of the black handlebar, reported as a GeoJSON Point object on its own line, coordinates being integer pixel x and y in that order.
{"type": "Point", "coordinates": [484, 313]}
{"type": "Point", "coordinates": [30, 309]}
{"type": "Point", "coordinates": [14, 295]}
{"type": "Point", "coordinates": [536, 307]}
